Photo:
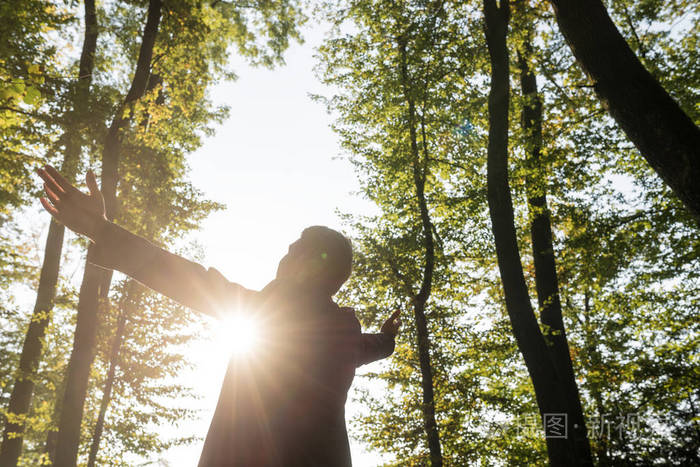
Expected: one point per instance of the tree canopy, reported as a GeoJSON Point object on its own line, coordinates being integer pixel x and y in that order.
{"type": "Point", "coordinates": [534, 215]}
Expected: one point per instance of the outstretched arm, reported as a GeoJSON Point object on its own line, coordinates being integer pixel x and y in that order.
{"type": "Point", "coordinates": [186, 282]}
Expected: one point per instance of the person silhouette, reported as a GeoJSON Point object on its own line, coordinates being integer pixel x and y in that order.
{"type": "Point", "coordinates": [284, 403]}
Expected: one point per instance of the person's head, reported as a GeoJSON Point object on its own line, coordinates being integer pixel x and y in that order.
{"type": "Point", "coordinates": [321, 259]}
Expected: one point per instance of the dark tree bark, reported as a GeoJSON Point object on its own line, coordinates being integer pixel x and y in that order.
{"type": "Point", "coordinates": [420, 299]}
{"type": "Point", "coordinates": [126, 308]}
{"type": "Point", "coordinates": [545, 379]}
{"type": "Point", "coordinates": [96, 281]}
{"type": "Point", "coordinates": [546, 280]}
{"type": "Point", "coordinates": [23, 389]}
{"type": "Point", "coordinates": [665, 135]}
{"type": "Point", "coordinates": [107, 391]}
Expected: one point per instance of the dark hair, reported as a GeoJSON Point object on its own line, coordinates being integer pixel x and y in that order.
{"type": "Point", "coordinates": [335, 251]}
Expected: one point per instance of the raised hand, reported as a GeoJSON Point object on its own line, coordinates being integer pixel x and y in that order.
{"type": "Point", "coordinates": [82, 213]}
{"type": "Point", "coordinates": [392, 324]}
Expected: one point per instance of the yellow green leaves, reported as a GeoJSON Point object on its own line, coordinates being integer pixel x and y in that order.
{"type": "Point", "coordinates": [19, 95]}
{"type": "Point", "coordinates": [31, 96]}
{"type": "Point", "coordinates": [18, 90]}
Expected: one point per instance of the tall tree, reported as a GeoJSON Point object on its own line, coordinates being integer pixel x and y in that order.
{"type": "Point", "coordinates": [96, 281]}
{"type": "Point", "coordinates": [664, 134]}
{"type": "Point", "coordinates": [191, 55]}
{"type": "Point", "coordinates": [552, 385]}
{"type": "Point", "coordinates": [126, 307]}
{"type": "Point", "coordinates": [419, 168]}
{"type": "Point", "coordinates": [399, 74]}
{"type": "Point", "coordinates": [23, 390]}
{"type": "Point", "coordinates": [615, 247]}
{"type": "Point", "coordinates": [129, 299]}
{"type": "Point", "coordinates": [545, 269]}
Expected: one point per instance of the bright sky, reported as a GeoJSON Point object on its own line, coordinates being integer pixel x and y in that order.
{"type": "Point", "coordinates": [272, 163]}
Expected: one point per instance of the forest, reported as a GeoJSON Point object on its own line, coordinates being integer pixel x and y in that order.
{"type": "Point", "coordinates": [533, 172]}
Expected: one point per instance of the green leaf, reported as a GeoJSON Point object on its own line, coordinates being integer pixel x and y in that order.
{"type": "Point", "coordinates": [32, 96]}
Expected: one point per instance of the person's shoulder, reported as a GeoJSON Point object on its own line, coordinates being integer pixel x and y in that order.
{"type": "Point", "coordinates": [230, 292]}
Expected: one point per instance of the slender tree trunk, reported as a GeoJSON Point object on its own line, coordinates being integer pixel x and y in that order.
{"type": "Point", "coordinates": [591, 339]}
{"type": "Point", "coordinates": [96, 281]}
{"type": "Point", "coordinates": [23, 390]}
{"type": "Point", "coordinates": [548, 387]}
{"type": "Point", "coordinates": [126, 307]}
{"type": "Point", "coordinates": [665, 135]}
{"type": "Point", "coordinates": [419, 300]}
{"type": "Point", "coordinates": [546, 280]}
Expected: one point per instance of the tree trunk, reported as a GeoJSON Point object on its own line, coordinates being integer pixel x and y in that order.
{"type": "Point", "coordinates": [125, 311]}
{"type": "Point", "coordinates": [591, 342]}
{"type": "Point", "coordinates": [23, 390]}
{"type": "Point", "coordinates": [665, 136]}
{"type": "Point", "coordinates": [96, 281]}
{"type": "Point", "coordinates": [546, 280]}
{"type": "Point", "coordinates": [526, 330]}
{"type": "Point", "coordinates": [419, 300]}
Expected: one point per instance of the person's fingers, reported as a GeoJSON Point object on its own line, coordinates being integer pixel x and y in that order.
{"type": "Point", "coordinates": [62, 182]}
{"type": "Point", "coordinates": [51, 195]}
{"type": "Point", "coordinates": [91, 181]}
{"type": "Point", "coordinates": [395, 314]}
{"type": "Point", "coordinates": [49, 207]}
{"type": "Point", "coordinates": [49, 180]}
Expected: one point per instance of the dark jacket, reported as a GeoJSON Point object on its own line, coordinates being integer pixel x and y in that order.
{"type": "Point", "coordinates": [283, 404]}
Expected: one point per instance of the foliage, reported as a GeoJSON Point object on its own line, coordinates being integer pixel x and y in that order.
{"type": "Point", "coordinates": [157, 199]}
{"type": "Point", "coordinates": [626, 250]}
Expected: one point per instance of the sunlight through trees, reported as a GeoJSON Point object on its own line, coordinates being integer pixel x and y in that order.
{"type": "Point", "coordinates": [534, 171]}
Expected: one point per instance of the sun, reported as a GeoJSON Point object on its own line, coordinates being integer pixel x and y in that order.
{"type": "Point", "coordinates": [238, 334]}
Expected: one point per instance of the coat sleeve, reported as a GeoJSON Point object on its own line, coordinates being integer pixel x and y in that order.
{"type": "Point", "coordinates": [369, 347]}
{"type": "Point", "coordinates": [186, 282]}
{"type": "Point", "coordinates": [375, 347]}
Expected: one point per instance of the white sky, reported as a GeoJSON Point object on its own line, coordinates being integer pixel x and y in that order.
{"type": "Point", "coordinates": [272, 163]}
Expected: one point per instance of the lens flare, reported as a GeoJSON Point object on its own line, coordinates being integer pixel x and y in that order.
{"type": "Point", "coordinates": [238, 334]}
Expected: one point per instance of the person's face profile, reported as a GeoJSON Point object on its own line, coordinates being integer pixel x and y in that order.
{"type": "Point", "coordinates": [303, 260]}
{"type": "Point", "coordinates": [317, 260]}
